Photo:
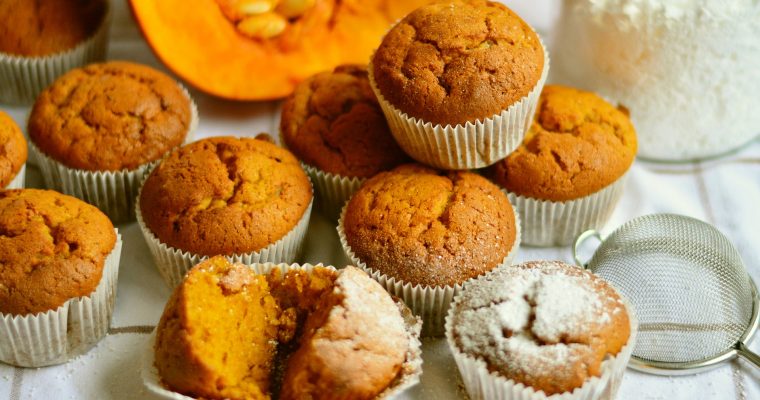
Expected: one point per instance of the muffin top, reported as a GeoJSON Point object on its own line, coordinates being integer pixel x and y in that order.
{"type": "Point", "coordinates": [547, 325]}
{"type": "Point", "coordinates": [110, 116]}
{"type": "Point", "coordinates": [429, 227]}
{"type": "Point", "coordinates": [12, 149]}
{"type": "Point", "coordinates": [457, 61]}
{"type": "Point", "coordinates": [52, 248]}
{"type": "Point", "coordinates": [577, 145]}
{"type": "Point", "coordinates": [333, 122]}
{"type": "Point", "coordinates": [41, 28]}
{"type": "Point", "coordinates": [225, 195]}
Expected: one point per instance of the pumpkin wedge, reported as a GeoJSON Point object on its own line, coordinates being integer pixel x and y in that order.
{"type": "Point", "coordinates": [260, 49]}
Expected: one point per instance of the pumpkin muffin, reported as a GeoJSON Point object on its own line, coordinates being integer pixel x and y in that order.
{"type": "Point", "coordinates": [109, 117]}
{"type": "Point", "coordinates": [333, 122]}
{"type": "Point", "coordinates": [335, 334]}
{"type": "Point", "coordinates": [451, 62]}
{"type": "Point", "coordinates": [40, 28]}
{"type": "Point", "coordinates": [429, 227]}
{"type": "Point", "coordinates": [53, 249]}
{"type": "Point", "coordinates": [225, 195]}
{"type": "Point", "coordinates": [13, 150]}
{"type": "Point", "coordinates": [353, 343]}
{"type": "Point", "coordinates": [577, 145]}
{"type": "Point", "coordinates": [217, 336]}
{"type": "Point", "coordinates": [546, 325]}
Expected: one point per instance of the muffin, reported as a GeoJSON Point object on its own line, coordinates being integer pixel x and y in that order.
{"type": "Point", "coordinates": [539, 329]}
{"type": "Point", "coordinates": [567, 175]}
{"type": "Point", "coordinates": [59, 261]}
{"type": "Point", "coordinates": [422, 233]}
{"type": "Point", "coordinates": [458, 81]}
{"type": "Point", "coordinates": [243, 198]}
{"type": "Point", "coordinates": [331, 334]}
{"type": "Point", "coordinates": [96, 129]}
{"type": "Point", "coordinates": [13, 153]}
{"type": "Point", "coordinates": [41, 40]}
{"type": "Point", "coordinates": [333, 123]}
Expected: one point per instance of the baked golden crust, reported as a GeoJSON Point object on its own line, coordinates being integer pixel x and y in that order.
{"type": "Point", "coordinates": [217, 335]}
{"type": "Point", "coordinates": [333, 121]}
{"type": "Point", "coordinates": [578, 144]}
{"type": "Point", "coordinates": [430, 227]}
{"type": "Point", "coordinates": [545, 324]}
{"type": "Point", "coordinates": [225, 195]}
{"type": "Point", "coordinates": [40, 28]}
{"type": "Point", "coordinates": [353, 344]}
{"type": "Point", "coordinates": [52, 248]}
{"type": "Point", "coordinates": [110, 116]}
{"type": "Point", "coordinates": [13, 149]}
{"type": "Point", "coordinates": [457, 61]}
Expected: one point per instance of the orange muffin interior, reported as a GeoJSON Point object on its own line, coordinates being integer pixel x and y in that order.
{"type": "Point", "coordinates": [217, 337]}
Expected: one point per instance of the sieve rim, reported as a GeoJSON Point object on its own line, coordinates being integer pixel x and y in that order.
{"type": "Point", "coordinates": [698, 366]}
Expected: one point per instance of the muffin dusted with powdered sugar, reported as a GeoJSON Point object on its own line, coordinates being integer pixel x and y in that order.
{"type": "Point", "coordinates": [549, 326]}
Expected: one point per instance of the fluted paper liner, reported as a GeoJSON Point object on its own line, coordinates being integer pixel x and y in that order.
{"type": "Point", "coordinates": [471, 145]}
{"type": "Point", "coordinates": [431, 303]}
{"type": "Point", "coordinates": [550, 223]}
{"type": "Point", "coordinates": [56, 336]}
{"type": "Point", "coordinates": [408, 376]}
{"type": "Point", "coordinates": [18, 180]}
{"type": "Point", "coordinates": [333, 190]}
{"type": "Point", "coordinates": [173, 263]}
{"type": "Point", "coordinates": [480, 383]}
{"type": "Point", "coordinates": [113, 192]}
{"type": "Point", "coordinates": [23, 78]}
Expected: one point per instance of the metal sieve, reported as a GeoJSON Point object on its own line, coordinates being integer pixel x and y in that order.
{"type": "Point", "coordinates": [697, 306]}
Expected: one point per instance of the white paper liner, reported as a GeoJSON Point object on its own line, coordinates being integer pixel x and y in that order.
{"type": "Point", "coordinates": [23, 78]}
{"type": "Point", "coordinates": [113, 192]}
{"type": "Point", "coordinates": [549, 223]}
{"type": "Point", "coordinates": [56, 336]}
{"type": "Point", "coordinates": [480, 383]}
{"type": "Point", "coordinates": [431, 303]}
{"type": "Point", "coordinates": [465, 146]}
{"type": "Point", "coordinates": [410, 373]}
{"type": "Point", "coordinates": [333, 190]}
{"type": "Point", "coordinates": [18, 180]}
{"type": "Point", "coordinates": [173, 263]}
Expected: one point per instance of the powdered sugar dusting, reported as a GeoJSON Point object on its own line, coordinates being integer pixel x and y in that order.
{"type": "Point", "coordinates": [536, 321]}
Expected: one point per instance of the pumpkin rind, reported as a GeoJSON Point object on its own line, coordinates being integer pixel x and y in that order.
{"type": "Point", "coordinates": [198, 43]}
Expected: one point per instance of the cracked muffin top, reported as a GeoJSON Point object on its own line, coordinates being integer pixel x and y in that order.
{"type": "Point", "coordinates": [52, 248]}
{"type": "Point", "coordinates": [458, 61]}
{"type": "Point", "coordinates": [110, 116]}
{"type": "Point", "coordinates": [547, 325]}
{"type": "Point", "coordinates": [333, 121]}
{"type": "Point", "coordinates": [225, 195]}
{"type": "Point", "coordinates": [429, 227]}
{"type": "Point", "coordinates": [40, 28]}
{"type": "Point", "coordinates": [12, 149]}
{"type": "Point", "coordinates": [577, 145]}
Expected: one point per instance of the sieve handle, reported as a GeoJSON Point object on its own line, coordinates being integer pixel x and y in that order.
{"type": "Point", "coordinates": [747, 354]}
{"type": "Point", "coordinates": [580, 240]}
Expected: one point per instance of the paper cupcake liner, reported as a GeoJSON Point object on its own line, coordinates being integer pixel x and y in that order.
{"type": "Point", "coordinates": [431, 303]}
{"type": "Point", "coordinates": [173, 263]}
{"type": "Point", "coordinates": [480, 383]}
{"type": "Point", "coordinates": [410, 373]}
{"type": "Point", "coordinates": [56, 336]}
{"type": "Point", "coordinates": [23, 78]}
{"type": "Point", "coordinates": [549, 223]}
{"type": "Point", "coordinates": [18, 180]}
{"type": "Point", "coordinates": [333, 190]}
{"type": "Point", "coordinates": [465, 146]}
{"type": "Point", "coordinates": [113, 192]}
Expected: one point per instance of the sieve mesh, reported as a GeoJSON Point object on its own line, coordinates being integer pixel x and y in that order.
{"type": "Point", "coordinates": [687, 282]}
